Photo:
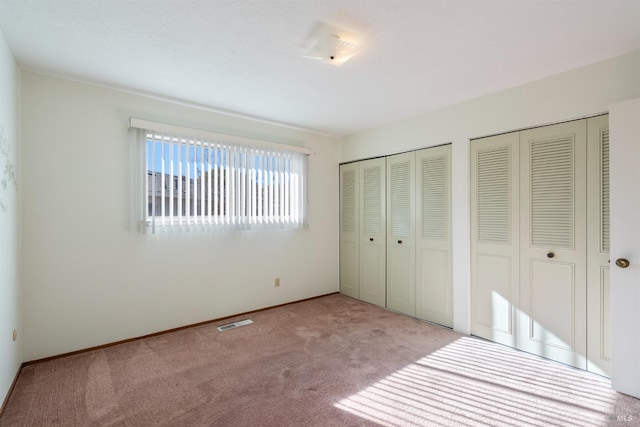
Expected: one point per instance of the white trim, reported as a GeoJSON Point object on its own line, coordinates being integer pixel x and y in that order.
{"type": "Point", "coordinates": [135, 123]}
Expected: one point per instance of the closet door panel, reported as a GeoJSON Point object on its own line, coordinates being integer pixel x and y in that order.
{"type": "Point", "coordinates": [492, 290]}
{"type": "Point", "coordinates": [433, 235]}
{"type": "Point", "coordinates": [400, 233]}
{"type": "Point", "coordinates": [495, 238]}
{"type": "Point", "coordinates": [434, 294]}
{"type": "Point", "coordinates": [372, 232]}
{"type": "Point", "coordinates": [598, 309]}
{"type": "Point", "coordinates": [400, 286]}
{"type": "Point", "coordinates": [553, 297]}
{"type": "Point", "coordinates": [349, 229]}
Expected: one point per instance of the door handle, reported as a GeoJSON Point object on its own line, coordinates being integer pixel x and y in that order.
{"type": "Point", "coordinates": [550, 255]}
{"type": "Point", "coordinates": [399, 242]}
{"type": "Point", "coordinates": [371, 239]}
{"type": "Point", "coordinates": [622, 262]}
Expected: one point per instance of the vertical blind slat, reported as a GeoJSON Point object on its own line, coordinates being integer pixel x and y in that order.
{"type": "Point", "coordinates": [281, 185]}
{"type": "Point", "coordinates": [259, 187]}
{"type": "Point", "coordinates": [254, 187]}
{"type": "Point", "coordinates": [229, 188]}
{"type": "Point", "coordinates": [271, 192]}
{"type": "Point", "coordinates": [198, 198]}
{"type": "Point", "coordinates": [216, 194]}
{"type": "Point", "coordinates": [180, 189]}
{"type": "Point", "coordinates": [246, 190]}
{"type": "Point", "coordinates": [171, 184]}
{"type": "Point", "coordinates": [162, 172]}
{"type": "Point", "coordinates": [153, 186]}
{"type": "Point", "coordinates": [187, 183]}
{"type": "Point", "coordinates": [209, 185]}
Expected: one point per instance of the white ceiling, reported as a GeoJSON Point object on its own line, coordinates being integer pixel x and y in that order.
{"type": "Point", "coordinates": [245, 56]}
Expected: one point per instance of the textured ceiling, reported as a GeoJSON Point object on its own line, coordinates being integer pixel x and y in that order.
{"type": "Point", "coordinates": [245, 56]}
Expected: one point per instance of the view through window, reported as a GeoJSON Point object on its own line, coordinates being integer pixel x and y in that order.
{"type": "Point", "coordinates": [192, 182]}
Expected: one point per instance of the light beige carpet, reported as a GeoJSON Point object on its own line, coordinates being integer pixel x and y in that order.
{"type": "Point", "coordinates": [331, 361]}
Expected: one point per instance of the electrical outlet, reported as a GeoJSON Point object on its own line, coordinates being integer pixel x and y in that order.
{"type": "Point", "coordinates": [15, 334]}
{"type": "Point", "coordinates": [276, 282]}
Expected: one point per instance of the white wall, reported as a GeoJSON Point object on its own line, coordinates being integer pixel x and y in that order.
{"type": "Point", "coordinates": [10, 356]}
{"type": "Point", "coordinates": [578, 93]}
{"type": "Point", "coordinates": [89, 277]}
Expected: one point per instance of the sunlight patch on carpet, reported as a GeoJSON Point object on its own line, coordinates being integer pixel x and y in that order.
{"type": "Point", "coordinates": [471, 382]}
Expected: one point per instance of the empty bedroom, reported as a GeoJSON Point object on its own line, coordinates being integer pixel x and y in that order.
{"type": "Point", "coordinates": [319, 213]}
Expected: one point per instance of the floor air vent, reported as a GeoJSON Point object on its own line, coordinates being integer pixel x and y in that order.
{"type": "Point", "coordinates": [235, 324]}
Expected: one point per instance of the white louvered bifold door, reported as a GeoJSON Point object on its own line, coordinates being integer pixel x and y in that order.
{"type": "Point", "coordinates": [598, 284]}
{"type": "Point", "coordinates": [495, 237]}
{"type": "Point", "coordinates": [349, 229]}
{"type": "Point", "coordinates": [433, 235]}
{"type": "Point", "coordinates": [372, 232]}
{"type": "Point", "coordinates": [553, 297]}
{"type": "Point", "coordinates": [401, 233]}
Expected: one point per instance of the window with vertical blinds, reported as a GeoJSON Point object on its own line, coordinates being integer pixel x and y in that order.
{"type": "Point", "coordinates": [213, 183]}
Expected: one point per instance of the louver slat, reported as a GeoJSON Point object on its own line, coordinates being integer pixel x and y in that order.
{"type": "Point", "coordinates": [400, 204]}
{"type": "Point", "coordinates": [493, 202]}
{"type": "Point", "coordinates": [372, 200]}
{"type": "Point", "coordinates": [349, 202]}
{"type": "Point", "coordinates": [434, 198]}
{"type": "Point", "coordinates": [552, 193]}
{"type": "Point", "coordinates": [604, 191]}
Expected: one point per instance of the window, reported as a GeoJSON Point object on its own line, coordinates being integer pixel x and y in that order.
{"type": "Point", "coordinates": [221, 181]}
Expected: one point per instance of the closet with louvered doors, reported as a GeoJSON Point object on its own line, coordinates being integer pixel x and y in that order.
{"type": "Point", "coordinates": [362, 231]}
{"type": "Point", "coordinates": [419, 234]}
{"type": "Point", "coordinates": [407, 268]}
{"type": "Point", "coordinates": [531, 206]}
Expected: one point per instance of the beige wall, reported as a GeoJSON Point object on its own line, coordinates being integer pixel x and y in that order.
{"type": "Point", "coordinates": [90, 277]}
{"type": "Point", "coordinates": [574, 94]}
{"type": "Point", "coordinates": [10, 356]}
